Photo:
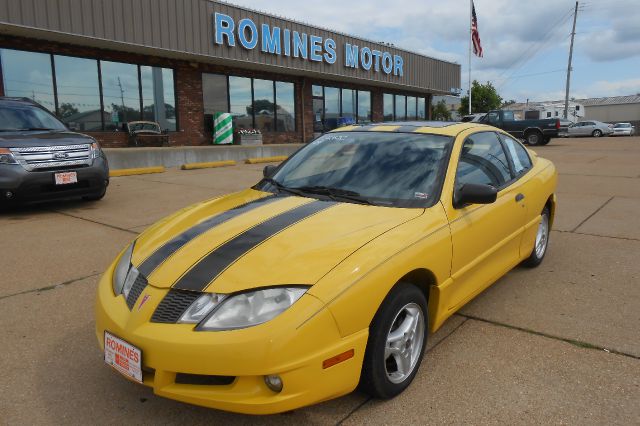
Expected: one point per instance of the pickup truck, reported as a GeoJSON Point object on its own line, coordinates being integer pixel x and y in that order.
{"type": "Point", "coordinates": [534, 132]}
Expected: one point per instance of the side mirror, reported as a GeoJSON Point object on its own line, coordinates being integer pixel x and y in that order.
{"type": "Point", "coordinates": [269, 170]}
{"type": "Point", "coordinates": [471, 193]}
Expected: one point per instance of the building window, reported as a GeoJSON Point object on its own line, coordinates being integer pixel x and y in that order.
{"type": "Point", "coordinates": [78, 98]}
{"type": "Point", "coordinates": [388, 109]}
{"type": "Point", "coordinates": [78, 91]}
{"type": "Point", "coordinates": [334, 107]}
{"type": "Point", "coordinates": [349, 105]}
{"type": "Point", "coordinates": [548, 114]}
{"type": "Point", "coordinates": [364, 106]}
{"type": "Point", "coordinates": [158, 97]}
{"type": "Point", "coordinates": [412, 106]}
{"type": "Point", "coordinates": [120, 93]}
{"type": "Point", "coordinates": [266, 105]}
{"type": "Point", "coordinates": [215, 93]}
{"type": "Point", "coordinates": [28, 75]}
{"type": "Point", "coordinates": [401, 108]}
{"type": "Point", "coordinates": [285, 107]}
{"type": "Point", "coordinates": [240, 102]}
{"type": "Point", "coordinates": [422, 109]}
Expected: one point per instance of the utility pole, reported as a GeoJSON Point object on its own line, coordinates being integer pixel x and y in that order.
{"type": "Point", "coordinates": [573, 34]}
{"type": "Point", "coordinates": [121, 93]}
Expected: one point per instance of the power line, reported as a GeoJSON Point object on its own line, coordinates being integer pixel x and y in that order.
{"type": "Point", "coordinates": [549, 33]}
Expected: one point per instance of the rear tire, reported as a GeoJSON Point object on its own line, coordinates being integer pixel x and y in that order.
{"type": "Point", "coordinates": [541, 242]}
{"type": "Point", "coordinates": [597, 133]}
{"type": "Point", "coordinates": [397, 339]}
{"type": "Point", "coordinates": [534, 138]}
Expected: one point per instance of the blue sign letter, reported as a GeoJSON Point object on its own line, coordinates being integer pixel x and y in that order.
{"type": "Point", "coordinates": [243, 25]}
{"type": "Point", "coordinates": [398, 65]}
{"type": "Point", "coordinates": [224, 27]}
{"type": "Point", "coordinates": [376, 58]}
{"type": "Point", "coordinates": [366, 58]}
{"type": "Point", "coordinates": [350, 55]}
{"type": "Point", "coordinates": [287, 42]}
{"type": "Point", "coordinates": [316, 48]}
{"type": "Point", "coordinates": [270, 39]}
{"type": "Point", "coordinates": [386, 62]}
{"type": "Point", "coordinates": [299, 45]}
{"type": "Point", "coordinates": [330, 49]}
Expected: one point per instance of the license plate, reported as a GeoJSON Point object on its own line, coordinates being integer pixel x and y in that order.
{"type": "Point", "coordinates": [66, 178]}
{"type": "Point", "coordinates": [123, 356]}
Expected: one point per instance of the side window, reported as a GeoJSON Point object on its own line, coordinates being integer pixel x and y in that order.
{"type": "Point", "coordinates": [492, 117]}
{"type": "Point", "coordinates": [483, 161]}
{"type": "Point", "coordinates": [507, 116]}
{"type": "Point", "coordinates": [518, 154]}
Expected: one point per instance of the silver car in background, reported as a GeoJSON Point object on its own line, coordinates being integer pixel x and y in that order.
{"type": "Point", "coordinates": [590, 128]}
{"type": "Point", "coordinates": [623, 129]}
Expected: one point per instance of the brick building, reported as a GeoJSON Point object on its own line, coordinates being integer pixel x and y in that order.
{"type": "Point", "coordinates": [98, 64]}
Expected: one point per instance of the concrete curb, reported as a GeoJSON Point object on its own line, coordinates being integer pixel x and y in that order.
{"type": "Point", "coordinates": [125, 158]}
{"type": "Point", "coordinates": [276, 159]}
{"type": "Point", "coordinates": [136, 171]}
{"type": "Point", "coordinates": [209, 165]}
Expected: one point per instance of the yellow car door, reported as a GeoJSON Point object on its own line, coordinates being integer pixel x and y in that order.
{"type": "Point", "coordinates": [485, 238]}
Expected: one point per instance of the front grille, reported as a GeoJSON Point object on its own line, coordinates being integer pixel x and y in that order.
{"type": "Point", "coordinates": [136, 290]}
{"type": "Point", "coordinates": [173, 306]}
{"type": "Point", "coordinates": [53, 157]}
{"type": "Point", "coordinates": [203, 379]}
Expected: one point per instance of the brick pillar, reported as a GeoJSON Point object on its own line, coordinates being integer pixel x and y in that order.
{"type": "Point", "coordinates": [377, 112]}
{"type": "Point", "coordinates": [190, 108]}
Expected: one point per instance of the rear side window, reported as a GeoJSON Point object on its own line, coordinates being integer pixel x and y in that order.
{"type": "Point", "coordinates": [483, 161]}
{"type": "Point", "coordinates": [518, 154]}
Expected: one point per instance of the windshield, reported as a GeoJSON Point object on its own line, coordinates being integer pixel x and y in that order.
{"type": "Point", "coordinates": [381, 168]}
{"type": "Point", "coordinates": [622, 125]}
{"type": "Point", "coordinates": [18, 117]}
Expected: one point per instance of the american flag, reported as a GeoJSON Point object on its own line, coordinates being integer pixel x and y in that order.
{"type": "Point", "coordinates": [475, 35]}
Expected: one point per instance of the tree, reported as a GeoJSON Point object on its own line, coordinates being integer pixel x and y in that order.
{"type": "Point", "coordinates": [440, 111]}
{"type": "Point", "coordinates": [484, 98]}
{"type": "Point", "coordinates": [67, 110]}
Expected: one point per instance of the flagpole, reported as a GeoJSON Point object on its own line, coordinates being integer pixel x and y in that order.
{"type": "Point", "coordinates": [470, 36]}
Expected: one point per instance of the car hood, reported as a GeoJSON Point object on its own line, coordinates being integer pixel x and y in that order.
{"type": "Point", "coordinates": [255, 239]}
{"type": "Point", "coordinates": [42, 138]}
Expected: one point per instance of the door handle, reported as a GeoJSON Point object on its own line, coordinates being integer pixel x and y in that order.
{"type": "Point", "coordinates": [519, 198]}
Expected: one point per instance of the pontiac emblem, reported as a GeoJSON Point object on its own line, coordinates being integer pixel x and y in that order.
{"type": "Point", "coordinates": [143, 301]}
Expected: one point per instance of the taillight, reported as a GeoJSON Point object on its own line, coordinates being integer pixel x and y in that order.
{"type": "Point", "coordinates": [558, 124]}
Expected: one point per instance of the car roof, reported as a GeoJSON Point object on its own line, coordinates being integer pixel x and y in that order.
{"type": "Point", "coordinates": [448, 128]}
{"type": "Point", "coordinates": [17, 101]}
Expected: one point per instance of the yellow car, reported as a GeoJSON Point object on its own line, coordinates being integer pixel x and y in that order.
{"type": "Point", "coordinates": [329, 273]}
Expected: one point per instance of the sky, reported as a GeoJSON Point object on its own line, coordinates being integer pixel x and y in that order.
{"type": "Point", "coordinates": [525, 43]}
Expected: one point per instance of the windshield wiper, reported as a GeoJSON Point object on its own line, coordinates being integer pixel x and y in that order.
{"type": "Point", "coordinates": [336, 193]}
{"type": "Point", "coordinates": [282, 188]}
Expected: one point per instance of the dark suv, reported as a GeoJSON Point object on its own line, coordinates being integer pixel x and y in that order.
{"type": "Point", "coordinates": [40, 159]}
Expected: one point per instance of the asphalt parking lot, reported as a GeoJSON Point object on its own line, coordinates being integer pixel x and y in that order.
{"type": "Point", "coordinates": [556, 344]}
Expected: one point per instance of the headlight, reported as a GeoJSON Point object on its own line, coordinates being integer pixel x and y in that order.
{"type": "Point", "coordinates": [95, 150]}
{"type": "Point", "coordinates": [122, 270]}
{"type": "Point", "coordinates": [253, 308]}
{"type": "Point", "coordinates": [6, 157]}
{"type": "Point", "coordinates": [201, 308]}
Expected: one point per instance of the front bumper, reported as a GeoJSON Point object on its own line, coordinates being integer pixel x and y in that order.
{"type": "Point", "coordinates": [292, 345]}
{"type": "Point", "coordinates": [26, 186]}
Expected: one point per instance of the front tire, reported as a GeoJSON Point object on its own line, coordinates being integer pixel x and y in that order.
{"type": "Point", "coordinates": [397, 340]}
{"type": "Point", "coordinates": [542, 241]}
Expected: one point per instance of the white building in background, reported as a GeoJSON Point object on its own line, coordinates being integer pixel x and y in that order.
{"type": "Point", "coordinates": [552, 109]}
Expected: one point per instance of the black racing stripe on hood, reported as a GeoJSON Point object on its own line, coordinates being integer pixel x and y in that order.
{"type": "Point", "coordinates": [214, 263]}
{"type": "Point", "coordinates": [170, 247]}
